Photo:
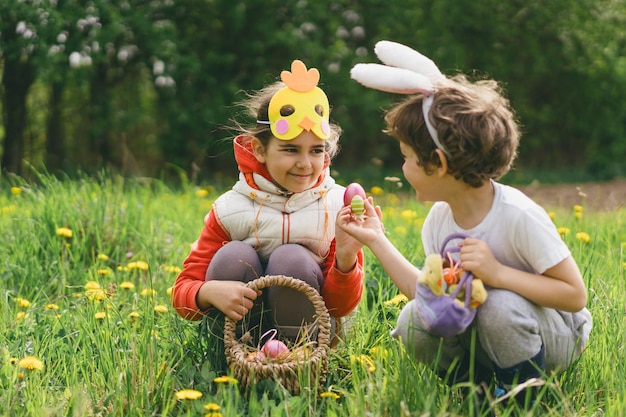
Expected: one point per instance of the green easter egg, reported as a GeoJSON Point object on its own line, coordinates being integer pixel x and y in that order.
{"type": "Point", "coordinates": [357, 205]}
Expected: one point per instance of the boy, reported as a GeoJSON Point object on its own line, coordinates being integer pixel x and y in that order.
{"type": "Point", "coordinates": [457, 139]}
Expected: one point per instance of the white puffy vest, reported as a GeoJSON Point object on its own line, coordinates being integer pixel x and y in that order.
{"type": "Point", "coordinates": [267, 218]}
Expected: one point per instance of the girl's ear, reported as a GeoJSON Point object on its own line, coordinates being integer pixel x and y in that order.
{"type": "Point", "coordinates": [443, 169]}
{"type": "Point", "coordinates": [258, 149]}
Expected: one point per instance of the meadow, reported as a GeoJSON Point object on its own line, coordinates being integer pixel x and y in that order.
{"type": "Point", "coordinates": [86, 270]}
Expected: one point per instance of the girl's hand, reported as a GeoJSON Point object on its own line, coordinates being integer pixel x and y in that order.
{"type": "Point", "coordinates": [233, 298]}
{"type": "Point", "coordinates": [476, 257]}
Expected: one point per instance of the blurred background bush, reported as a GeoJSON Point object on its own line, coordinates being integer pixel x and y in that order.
{"type": "Point", "coordinates": [145, 88]}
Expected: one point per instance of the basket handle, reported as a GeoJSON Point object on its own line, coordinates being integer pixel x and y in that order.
{"type": "Point", "coordinates": [466, 279]}
{"type": "Point", "coordinates": [323, 317]}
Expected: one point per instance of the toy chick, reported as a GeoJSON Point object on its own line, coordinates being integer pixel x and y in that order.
{"type": "Point", "coordinates": [432, 274]}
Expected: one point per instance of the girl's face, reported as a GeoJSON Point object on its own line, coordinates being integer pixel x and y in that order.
{"type": "Point", "coordinates": [294, 165]}
{"type": "Point", "coordinates": [426, 186]}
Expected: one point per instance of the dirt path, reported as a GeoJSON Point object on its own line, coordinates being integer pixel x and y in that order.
{"type": "Point", "coordinates": [604, 196]}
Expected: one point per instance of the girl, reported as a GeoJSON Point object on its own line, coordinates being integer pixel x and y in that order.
{"type": "Point", "coordinates": [278, 219]}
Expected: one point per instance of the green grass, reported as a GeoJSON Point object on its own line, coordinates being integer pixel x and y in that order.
{"type": "Point", "coordinates": [107, 351]}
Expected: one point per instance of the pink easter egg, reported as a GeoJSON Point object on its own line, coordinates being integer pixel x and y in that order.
{"type": "Point", "coordinates": [273, 348]}
{"type": "Point", "coordinates": [352, 190]}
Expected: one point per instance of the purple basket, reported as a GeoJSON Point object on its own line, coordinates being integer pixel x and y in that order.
{"type": "Point", "coordinates": [441, 314]}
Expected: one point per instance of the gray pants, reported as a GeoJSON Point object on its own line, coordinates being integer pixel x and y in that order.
{"type": "Point", "coordinates": [289, 308]}
{"type": "Point", "coordinates": [510, 330]}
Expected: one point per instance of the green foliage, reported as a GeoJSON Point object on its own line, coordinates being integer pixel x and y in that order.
{"type": "Point", "coordinates": [111, 348]}
{"type": "Point", "coordinates": [146, 88]}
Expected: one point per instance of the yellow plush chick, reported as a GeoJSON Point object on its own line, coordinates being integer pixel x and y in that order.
{"type": "Point", "coordinates": [478, 293]}
{"type": "Point", "coordinates": [432, 274]}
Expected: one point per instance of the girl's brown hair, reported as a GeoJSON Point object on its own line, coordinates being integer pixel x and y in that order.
{"type": "Point", "coordinates": [474, 123]}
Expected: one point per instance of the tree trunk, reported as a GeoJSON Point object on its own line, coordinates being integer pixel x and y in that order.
{"type": "Point", "coordinates": [17, 78]}
{"type": "Point", "coordinates": [55, 140]}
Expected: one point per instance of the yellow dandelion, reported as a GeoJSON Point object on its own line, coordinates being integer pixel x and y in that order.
{"type": "Point", "coordinates": [104, 271]}
{"type": "Point", "coordinates": [563, 231]}
{"type": "Point", "coordinates": [64, 232]}
{"type": "Point", "coordinates": [92, 285]}
{"type": "Point", "coordinates": [202, 193]}
{"type": "Point", "coordinates": [16, 190]}
{"type": "Point", "coordinates": [583, 237]}
{"type": "Point", "coordinates": [140, 265]}
{"type": "Point", "coordinates": [133, 315]}
{"type": "Point", "coordinates": [365, 361]}
{"type": "Point", "coordinates": [552, 215]}
{"type": "Point", "coordinates": [330, 394]}
{"type": "Point", "coordinates": [169, 291]}
{"type": "Point", "coordinates": [578, 215]}
{"type": "Point", "coordinates": [400, 230]}
{"type": "Point", "coordinates": [160, 309]}
{"type": "Point", "coordinates": [171, 268]}
{"type": "Point", "coordinates": [214, 414]}
{"type": "Point", "coordinates": [127, 285]}
{"type": "Point", "coordinates": [102, 257]}
{"type": "Point", "coordinates": [8, 209]}
{"type": "Point", "coordinates": [51, 306]}
{"type": "Point", "coordinates": [147, 292]}
{"type": "Point", "coordinates": [408, 215]}
{"type": "Point", "coordinates": [376, 190]}
{"type": "Point", "coordinates": [30, 363]}
{"type": "Point", "coordinates": [98, 294]}
{"type": "Point", "coordinates": [13, 361]}
{"type": "Point", "coordinates": [212, 407]}
{"type": "Point", "coordinates": [578, 208]}
{"type": "Point", "coordinates": [397, 300]}
{"type": "Point", "coordinates": [188, 394]}
{"type": "Point", "coordinates": [22, 302]}
{"type": "Point", "coordinates": [122, 268]}
{"type": "Point", "coordinates": [100, 315]}
{"type": "Point", "coordinates": [225, 380]}
{"type": "Point", "coordinates": [379, 352]}
{"type": "Point", "coordinates": [21, 315]}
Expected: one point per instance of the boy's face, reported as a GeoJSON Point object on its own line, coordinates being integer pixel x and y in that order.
{"type": "Point", "coordinates": [423, 184]}
{"type": "Point", "coordinates": [294, 165]}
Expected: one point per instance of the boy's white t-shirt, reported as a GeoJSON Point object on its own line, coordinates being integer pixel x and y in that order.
{"type": "Point", "coordinates": [518, 231]}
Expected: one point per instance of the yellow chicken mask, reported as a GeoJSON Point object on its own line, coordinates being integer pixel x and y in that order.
{"type": "Point", "coordinates": [300, 105]}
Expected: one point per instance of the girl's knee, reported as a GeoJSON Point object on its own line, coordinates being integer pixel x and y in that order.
{"type": "Point", "coordinates": [295, 261]}
{"type": "Point", "coordinates": [235, 261]}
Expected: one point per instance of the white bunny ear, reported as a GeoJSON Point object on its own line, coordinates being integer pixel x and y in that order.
{"type": "Point", "coordinates": [391, 79]}
{"type": "Point", "coordinates": [401, 56]}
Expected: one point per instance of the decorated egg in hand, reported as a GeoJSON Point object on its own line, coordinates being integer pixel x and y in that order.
{"type": "Point", "coordinates": [352, 190]}
{"type": "Point", "coordinates": [354, 196]}
{"type": "Point", "coordinates": [357, 205]}
{"type": "Point", "coordinates": [274, 348]}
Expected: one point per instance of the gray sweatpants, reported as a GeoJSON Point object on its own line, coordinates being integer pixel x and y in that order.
{"type": "Point", "coordinates": [510, 330]}
{"type": "Point", "coordinates": [289, 308]}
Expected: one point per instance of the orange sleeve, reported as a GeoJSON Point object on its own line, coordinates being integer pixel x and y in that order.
{"type": "Point", "coordinates": [192, 277]}
{"type": "Point", "coordinates": [342, 292]}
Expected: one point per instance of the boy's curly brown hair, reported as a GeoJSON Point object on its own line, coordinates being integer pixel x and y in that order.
{"type": "Point", "coordinates": [474, 122]}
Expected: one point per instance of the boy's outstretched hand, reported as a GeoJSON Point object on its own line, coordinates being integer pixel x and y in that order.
{"type": "Point", "coordinates": [366, 228]}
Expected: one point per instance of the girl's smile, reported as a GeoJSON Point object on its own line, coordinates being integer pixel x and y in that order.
{"type": "Point", "coordinates": [294, 165]}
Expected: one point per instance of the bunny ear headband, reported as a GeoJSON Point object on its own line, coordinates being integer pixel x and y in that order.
{"type": "Point", "coordinates": [406, 71]}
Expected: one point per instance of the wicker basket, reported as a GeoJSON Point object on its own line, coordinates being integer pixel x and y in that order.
{"type": "Point", "coordinates": [293, 368]}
